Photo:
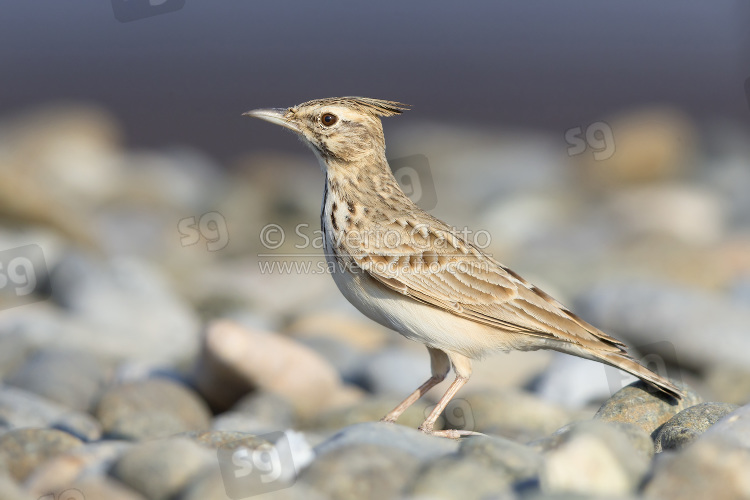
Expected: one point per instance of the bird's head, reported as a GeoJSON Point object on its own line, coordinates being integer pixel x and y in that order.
{"type": "Point", "coordinates": [338, 129]}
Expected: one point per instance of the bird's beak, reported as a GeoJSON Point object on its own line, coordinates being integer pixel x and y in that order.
{"type": "Point", "coordinates": [273, 115]}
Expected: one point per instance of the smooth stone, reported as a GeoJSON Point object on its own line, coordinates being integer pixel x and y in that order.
{"type": "Point", "coordinates": [94, 488]}
{"type": "Point", "coordinates": [268, 407]}
{"type": "Point", "coordinates": [483, 466]}
{"type": "Point", "coordinates": [685, 427]}
{"type": "Point", "coordinates": [595, 459]}
{"type": "Point", "coordinates": [709, 468]}
{"type": "Point", "coordinates": [162, 468]}
{"type": "Point", "coordinates": [222, 439]}
{"type": "Point", "coordinates": [19, 408]}
{"type": "Point", "coordinates": [404, 439]}
{"type": "Point", "coordinates": [645, 407]}
{"type": "Point", "coordinates": [209, 484]}
{"type": "Point", "coordinates": [11, 490]}
{"type": "Point", "coordinates": [361, 470]}
{"type": "Point", "coordinates": [129, 308]}
{"type": "Point", "coordinates": [639, 439]}
{"type": "Point", "coordinates": [73, 379]}
{"type": "Point", "coordinates": [513, 414]}
{"type": "Point", "coordinates": [22, 450]}
{"type": "Point", "coordinates": [151, 409]}
{"type": "Point", "coordinates": [734, 427]}
{"type": "Point", "coordinates": [235, 359]}
{"type": "Point", "coordinates": [92, 460]}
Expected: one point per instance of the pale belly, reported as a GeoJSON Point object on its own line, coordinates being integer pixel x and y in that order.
{"type": "Point", "coordinates": [417, 321]}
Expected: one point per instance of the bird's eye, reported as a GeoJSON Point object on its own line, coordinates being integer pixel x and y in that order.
{"type": "Point", "coordinates": [328, 119]}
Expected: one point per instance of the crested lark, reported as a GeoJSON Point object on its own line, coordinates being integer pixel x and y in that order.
{"type": "Point", "coordinates": [413, 273]}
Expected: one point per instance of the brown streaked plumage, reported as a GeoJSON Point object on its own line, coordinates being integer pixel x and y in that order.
{"type": "Point", "coordinates": [413, 273]}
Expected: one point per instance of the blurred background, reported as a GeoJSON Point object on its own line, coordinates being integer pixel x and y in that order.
{"type": "Point", "coordinates": [598, 149]}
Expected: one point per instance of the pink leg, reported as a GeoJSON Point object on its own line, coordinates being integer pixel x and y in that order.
{"type": "Point", "coordinates": [440, 365]}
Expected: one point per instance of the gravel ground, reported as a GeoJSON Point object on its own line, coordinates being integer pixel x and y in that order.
{"type": "Point", "coordinates": [149, 350]}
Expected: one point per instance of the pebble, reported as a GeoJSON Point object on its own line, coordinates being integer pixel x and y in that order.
{"type": "Point", "coordinates": [638, 439]}
{"type": "Point", "coordinates": [22, 450]}
{"type": "Point", "coordinates": [640, 405]}
{"type": "Point", "coordinates": [517, 415]}
{"type": "Point", "coordinates": [235, 360]}
{"type": "Point", "coordinates": [370, 409]}
{"type": "Point", "coordinates": [404, 439]}
{"type": "Point", "coordinates": [595, 459]}
{"type": "Point", "coordinates": [734, 427]}
{"type": "Point", "coordinates": [151, 409]}
{"type": "Point", "coordinates": [710, 468]}
{"type": "Point", "coordinates": [482, 467]}
{"type": "Point", "coordinates": [162, 468]}
{"type": "Point", "coordinates": [19, 408]}
{"type": "Point", "coordinates": [74, 379]}
{"type": "Point", "coordinates": [95, 488]}
{"type": "Point", "coordinates": [92, 460]}
{"type": "Point", "coordinates": [361, 470]}
{"type": "Point", "coordinates": [685, 427]}
{"type": "Point", "coordinates": [113, 298]}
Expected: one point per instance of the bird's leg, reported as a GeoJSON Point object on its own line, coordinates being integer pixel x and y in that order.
{"type": "Point", "coordinates": [440, 365]}
{"type": "Point", "coordinates": [462, 367]}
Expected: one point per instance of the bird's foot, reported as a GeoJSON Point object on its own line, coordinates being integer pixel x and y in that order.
{"type": "Point", "coordinates": [388, 419]}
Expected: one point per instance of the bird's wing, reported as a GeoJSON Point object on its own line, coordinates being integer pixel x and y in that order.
{"type": "Point", "coordinates": [430, 263]}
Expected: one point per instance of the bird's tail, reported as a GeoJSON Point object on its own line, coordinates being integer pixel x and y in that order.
{"type": "Point", "coordinates": [625, 362]}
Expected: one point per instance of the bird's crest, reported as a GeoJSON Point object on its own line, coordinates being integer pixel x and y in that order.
{"type": "Point", "coordinates": [377, 107]}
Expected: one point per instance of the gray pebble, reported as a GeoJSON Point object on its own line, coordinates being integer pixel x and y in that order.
{"type": "Point", "coordinates": [639, 439]}
{"type": "Point", "coordinates": [361, 470]}
{"type": "Point", "coordinates": [161, 469]}
{"type": "Point", "coordinates": [19, 408]}
{"type": "Point", "coordinates": [517, 415]}
{"type": "Point", "coordinates": [643, 406]}
{"type": "Point", "coordinates": [73, 379]}
{"type": "Point", "coordinates": [709, 468]}
{"type": "Point", "coordinates": [151, 409]}
{"type": "Point", "coordinates": [734, 427]}
{"type": "Point", "coordinates": [404, 439]}
{"type": "Point", "coordinates": [483, 466]}
{"type": "Point", "coordinates": [686, 426]}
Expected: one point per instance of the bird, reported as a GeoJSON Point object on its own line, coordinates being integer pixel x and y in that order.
{"type": "Point", "coordinates": [415, 274]}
